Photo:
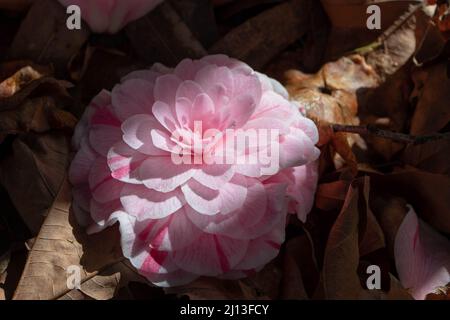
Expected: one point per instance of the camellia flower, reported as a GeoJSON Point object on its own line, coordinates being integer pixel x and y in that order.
{"type": "Point", "coordinates": [111, 15]}
{"type": "Point", "coordinates": [192, 203]}
{"type": "Point", "coordinates": [422, 257]}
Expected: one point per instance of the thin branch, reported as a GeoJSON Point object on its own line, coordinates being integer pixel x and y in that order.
{"type": "Point", "coordinates": [390, 135]}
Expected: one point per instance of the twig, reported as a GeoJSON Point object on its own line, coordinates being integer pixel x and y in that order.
{"type": "Point", "coordinates": [394, 136]}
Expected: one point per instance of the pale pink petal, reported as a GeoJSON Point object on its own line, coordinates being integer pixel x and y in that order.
{"type": "Point", "coordinates": [81, 164]}
{"type": "Point", "coordinates": [422, 257]}
{"type": "Point", "coordinates": [165, 115]}
{"type": "Point", "coordinates": [239, 224]}
{"type": "Point", "coordinates": [297, 149]}
{"type": "Point", "coordinates": [171, 233]}
{"type": "Point", "coordinates": [166, 87]}
{"type": "Point", "coordinates": [208, 201]}
{"type": "Point", "coordinates": [214, 176]}
{"type": "Point", "coordinates": [144, 203]}
{"type": "Point", "coordinates": [263, 249]}
{"type": "Point", "coordinates": [134, 96]}
{"type": "Point", "coordinates": [137, 134]}
{"type": "Point", "coordinates": [161, 174]}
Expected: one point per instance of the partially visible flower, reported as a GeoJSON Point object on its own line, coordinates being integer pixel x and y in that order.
{"type": "Point", "coordinates": [111, 15]}
{"type": "Point", "coordinates": [422, 257]}
{"type": "Point", "coordinates": [200, 216]}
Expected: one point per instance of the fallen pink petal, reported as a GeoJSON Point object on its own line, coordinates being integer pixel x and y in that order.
{"type": "Point", "coordinates": [422, 257]}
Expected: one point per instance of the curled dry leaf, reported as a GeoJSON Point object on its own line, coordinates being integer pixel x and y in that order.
{"type": "Point", "coordinates": [331, 97]}
{"type": "Point", "coordinates": [15, 83]}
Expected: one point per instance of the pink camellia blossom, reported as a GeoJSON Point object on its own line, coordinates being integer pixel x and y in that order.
{"type": "Point", "coordinates": [201, 216]}
{"type": "Point", "coordinates": [422, 257]}
{"type": "Point", "coordinates": [111, 15]}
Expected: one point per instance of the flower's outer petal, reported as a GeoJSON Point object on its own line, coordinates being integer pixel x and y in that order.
{"type": "Point", "coordinates": [144, 203]}
{"type": "Point", "coordinates": [134, 96]}
{"type": "Point", "coordinates": [210, 255]}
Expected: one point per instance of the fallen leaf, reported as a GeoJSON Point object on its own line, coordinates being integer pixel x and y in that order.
{"type": "Point", "coordinates": [300, 270]}
{"type": "Point", "coordinates": [340, 279]}
{"type": "Point", "coordinates": [162, 36]}
{"type": "Point", "coordinates": [17, 81]}
{"type": "Point", "coordinates": [15, 5]}
{"type": "Point", "coordinates": [252, 43]}
{"type": "Point", "coordinates": [32, 172]}
{"type": "Point", "coordinates": [431, 92]}
{"type": "Point", "coordinates": [209, 289]}
{"type": "Point", "coordinates": [4, 261]}
{"type": "Point", "coordinates": [61, 244]}
{"type": "Point", "coordinates": [47, 41]}
{"type": "Point", "coordinates": [36, 115]}
{"type": "Point", "coordinates": [427, 192]}
{"type": "Point", "coordinates": [105, 285]}
{"type": "Point", "coordinates": [390, 213]}
{"type": "Point", "coordinates": [431, 156]}
{"type": "Point", "coordinates": [197, 14]}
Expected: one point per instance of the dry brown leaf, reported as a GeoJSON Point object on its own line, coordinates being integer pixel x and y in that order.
{"type": "Point", "coordinates": [105, 285]}
{"type": "Point", "coordinates": [15, 5]}
{"type": "Point", "coordinates": [331, 97]}
{"type": "Point", "coordinates": [4, 261]}
{"type": "Point", "coordinates": [432, 111]}
{"type": "Point", "coordinates": [36, 115]}
{"type": "Point", "coordinates": [331, 196]}
{"type": "Point", "coordinates": [431, 156]}
{"type": "Point", "coordinates": [44, 86]}
{"type": "Point", "coordinates": [300, 270]}
{"type": "Point", "coordinates": [16, 82]}
{"type": "Point", "coordinates": [32, 173]}
{"type": "Point", "coordinates": [61, 244]}
{"type": "Point", "coordinates": [162, 36]}
{"type": "Point", "coordinates": [427, 192]}
{"type": "Point", "coordinates": [197, 14]}
{"type": "Point", "coordinates": [340, 279]}
{"type": "Point", "coordinates": [252, 43]}
{"type": "Point", "coordinates": [211, 289]}
{"type": "Point", "coordinates": [47, 41]}
{"type": "Point", "coordinates": [390, 212]}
